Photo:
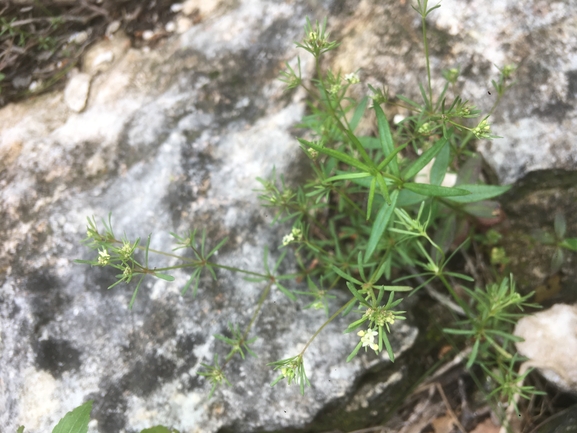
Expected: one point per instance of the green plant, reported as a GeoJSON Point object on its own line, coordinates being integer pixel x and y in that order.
{"type": "Point", "coordinates": [365, 220]}
{"type": "Point", "coordinates": [558, 240]}
{"type": "Point", "coordinates": [76, 421]}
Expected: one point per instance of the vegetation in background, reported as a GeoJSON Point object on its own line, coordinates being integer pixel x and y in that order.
{"type": "Point", "coordinates": [379, 212]}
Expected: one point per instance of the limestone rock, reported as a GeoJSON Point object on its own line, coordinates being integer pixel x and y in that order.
{"type": "Point", "coordinates": [551, 344]}
{"type": "Point", "coordinates": [76, 92]}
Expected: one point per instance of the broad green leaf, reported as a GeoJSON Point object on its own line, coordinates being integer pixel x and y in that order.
{"type": "Point", "coordinates": [486, 209]}
{"type": "Point", "coordinates": [380, 224]}
{"type": "Point", "coordinates": [560, 225]}
{"type": "Point", "coordinates": [480, 192]}
{"type": "Point", "coordinates": [386, 138]}
{"type": "Point", "coordinates": [434, 190]}
{"type": "Point", "coordinates": [408, 198]}
{"type": "Point", "coordinates": [75, 421]}
{"type": "Point", "coordinates": [348, 176]}
{"type": "Point", "coordinates": [358, 114]}
{"type": "Point", "coordinates": [557, 260]}
{"type": "Point", "coordinates": [470, 171]}
{"type": "Point", "coordinates": [343, 157]}
{"type": "Point", "coordinates": [423, 160]}
{"type": "Point", "coordinates": [570, 244]}
{"type": "Point", "coordinates": [440, 165]}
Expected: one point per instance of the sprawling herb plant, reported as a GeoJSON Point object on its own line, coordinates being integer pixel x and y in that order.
{"type": "Point", "coordinates": [365, 219]}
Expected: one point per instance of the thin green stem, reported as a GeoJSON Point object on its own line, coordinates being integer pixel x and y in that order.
{"type": "Point", "coordinates": [457, 299]}
{"type": "Point", "coordinates": [329, 320]}
{"type": "Point", "coordinates": [261, 300]}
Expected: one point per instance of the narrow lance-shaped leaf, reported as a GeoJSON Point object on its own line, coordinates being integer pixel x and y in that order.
{"type": "Point", "coordinates": [440, 165]}
{"type": "Point", "coordinates": [480, 192]}
{"type": "Point", "coordinates": [380, 224]}
{"type": "Point", "coordinates": [345, 276]}
{"type": "Point", "coordinates": [343, 157]}
{"type": "Point", "coordinates": [434, 190]}
{"type": "Point", "coordinates": [386, 138]}
{"type": "Point", "coordinates": [383, 187]}
{"type": "Point", "coordinates": [392, 157]}
{"type": "Point", "coordinates": [135, 293]}
{"type": "Point", "coordinates": [348, 176]}
{"type": "Point", "coordinates": [371, 197]}
{"type": "Point", "coordinates": [358, 114]}
{"type": "Point", "coordinates": [423, 160]}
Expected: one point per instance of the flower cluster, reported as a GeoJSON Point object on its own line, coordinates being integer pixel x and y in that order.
{"type": "Point", "coordinates": [352, 78]}
{"type": "Point", "coordinates": [295, 235]}
{"type": "Point", "coordinates": [368, 339]}
{"type": "Point", "coordinates": [482, 130]}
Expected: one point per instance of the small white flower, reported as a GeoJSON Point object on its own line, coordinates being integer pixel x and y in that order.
{"type": "Point", "coordinates": [287, 239]}
{"type": "Point", "coordinates": [368, 339]}
{"type": "Point", "coordinates": [352, 78]}
{"type": "Point", "coordinates": [126, 250]}
{"type": "Point", "coordinates": [127, 272]}
{"type": "Point", "coordinates": [103, 257]}
{"type": "Point", "coordinates": [313, 153]}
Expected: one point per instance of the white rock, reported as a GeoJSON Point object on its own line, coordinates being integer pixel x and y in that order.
{"type": "Point", "coordinates": [551, 344]}
{"type": "Point", "coordinates": [183, 24]}
{"type": "Point", "coordinates": [204, 7]}
{"type": "Point", "coordinates": [170, 27]}
{"type": "Point", "coordinates": [102, 58]}
{"type": "Point", "coordinates": [78, 38]}
{"type": "Point", "coordinates": [112, 27]}
{"type": "Point", "coordinates": [76, 92]}
{"type": "Point", "coordinates": [34, 85]}
{"type": "Point", "coordinates": [147, 35]}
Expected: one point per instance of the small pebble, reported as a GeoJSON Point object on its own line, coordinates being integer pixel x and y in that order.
{"type": "Point", "coordinates": [170, 26]}
{"type": "Point", "coordinates": [112, 27]}
{"type": "Point", "coordinates": [78, 37]}
{"type": "Point", "coordinates": [34, 85]}
{"type": "Point", "coordinates": [147, 35]}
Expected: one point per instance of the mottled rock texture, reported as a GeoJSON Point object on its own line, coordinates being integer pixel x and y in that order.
{"type": "Point", "coordinates": [172, 139]}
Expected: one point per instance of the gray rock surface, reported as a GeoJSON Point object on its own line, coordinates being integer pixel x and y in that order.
{"type": "Point", "coordinates": [536, 119]}
{"type": "Point", "coordinates": [173, 139]}
{"type": "Point", "coordinates": [169, 140]}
